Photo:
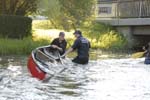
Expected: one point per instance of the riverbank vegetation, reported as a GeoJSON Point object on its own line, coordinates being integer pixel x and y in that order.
{"type": "Point", "coordinates": [100, 35]}
{"type": "Point", "coordinates": [104, 38]}
{"type": "Point", "coordinates": [19, 46]}
{"type": "Point", "coordinates": [60, 15]}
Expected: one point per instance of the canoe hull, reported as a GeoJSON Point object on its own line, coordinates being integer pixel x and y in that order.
{"type": "Point", "coordinates": [35, 70]}
{"type": "Point", "coordinates": [40, 61]}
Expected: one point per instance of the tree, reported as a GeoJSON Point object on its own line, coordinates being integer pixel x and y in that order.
{"type": "Point", "coordinates": [51, 9]}
{"type": "Point", "coordinates": [18, 7]}
{"type": "Point", "coordinates": [68, 13]}
{"type": "Point", "coordinates": [78, 11]}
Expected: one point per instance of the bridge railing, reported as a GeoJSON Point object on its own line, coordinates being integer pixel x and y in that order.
{"type": "Point", "coordinates": [124, 8]}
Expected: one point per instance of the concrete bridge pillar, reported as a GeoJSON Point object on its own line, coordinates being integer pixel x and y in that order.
{"type": "Point", "coordinates": [135, 30]}
{"type": "Point", "coordinates": [127, 33]}
{"type": "Point", "coordinates": [137, 36]}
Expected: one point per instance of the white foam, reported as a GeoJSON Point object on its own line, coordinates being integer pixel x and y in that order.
{"type": "Point", "coordinates": [111, 79]}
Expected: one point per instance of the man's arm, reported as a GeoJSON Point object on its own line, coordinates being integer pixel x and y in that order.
{"type": "Point", "coordinates": [53, 42]}
{"type": "Point", "coordinates": [56, 47]}
{"type": "Point", "coordinates": [62, 47]}
{"type": "Point", "coordinates": [73, 47]}
{"type": "Point", "coordinates": [68, 51]}
{"type": "Point", "coordinates": [53, 45]}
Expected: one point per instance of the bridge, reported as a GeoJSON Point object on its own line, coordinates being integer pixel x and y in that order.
{"type": "Point", "coordinates": [129, 17]}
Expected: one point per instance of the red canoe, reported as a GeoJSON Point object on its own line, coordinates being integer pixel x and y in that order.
{"type": "Point", "coordinates": [37, 65]}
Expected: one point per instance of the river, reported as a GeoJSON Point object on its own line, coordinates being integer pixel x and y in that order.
{"type": "Point", "coordinates": [101, 79]}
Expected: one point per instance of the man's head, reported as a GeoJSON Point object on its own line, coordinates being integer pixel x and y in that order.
{"type": "Point", "coordinates": [61, 36]}
{"type": "Point", "coordinates": [77, 33]}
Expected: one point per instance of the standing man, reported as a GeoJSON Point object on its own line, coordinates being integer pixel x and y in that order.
{"type": "Point", "coordinates": [82, 45]}
{"type": "Point", "coordinates": [59, 43]}
{"type": "Point", "coordinates": [147, 53]}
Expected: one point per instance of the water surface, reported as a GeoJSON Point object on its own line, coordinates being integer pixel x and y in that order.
{"type": "Point", "coordinates": [104, 79]}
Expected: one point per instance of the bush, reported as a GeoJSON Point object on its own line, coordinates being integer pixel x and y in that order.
{"type": "Point", "coordinates": [19, 46]}
{"type": "Point", "coordinates": [96, 29]}
{"type": "Point", "coordinates": [15, 26]}
{"type": "Point", "coordinates": [41, 24]}
{"type": "Point", "coordinates": [111, 40]}
{"type": "Point", "coordinates": [103, 36]}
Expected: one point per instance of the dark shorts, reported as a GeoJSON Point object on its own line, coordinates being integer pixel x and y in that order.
{"type": "Point", "coordinates": [79, 60]}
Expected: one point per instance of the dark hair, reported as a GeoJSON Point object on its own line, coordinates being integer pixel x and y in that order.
{"type": "Point", "coordinates": [61, 34]}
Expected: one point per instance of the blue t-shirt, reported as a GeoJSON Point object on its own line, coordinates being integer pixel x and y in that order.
{"type": "Point", "coordinates": [82, 45]}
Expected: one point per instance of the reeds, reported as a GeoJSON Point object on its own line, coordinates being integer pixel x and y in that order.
{"type": "Point", "coordinates": [19, 46]}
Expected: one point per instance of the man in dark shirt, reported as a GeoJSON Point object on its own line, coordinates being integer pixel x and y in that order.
{"type": "Point", "coordinates": [59, 43]}
{"type": "Point", "coordinates": [82, 45]}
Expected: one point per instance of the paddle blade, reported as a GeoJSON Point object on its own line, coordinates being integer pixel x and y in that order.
{"type": "Point", "coordinates": [138, 54]}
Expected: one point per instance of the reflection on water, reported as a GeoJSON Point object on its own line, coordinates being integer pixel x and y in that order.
{"type": "Point", "coordinates": [107, 79]}
{"type": "Point", "coordinates": [13, 60]}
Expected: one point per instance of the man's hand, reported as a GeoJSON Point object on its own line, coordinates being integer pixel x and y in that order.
{"type": "Point", "coordinates": [68, 51]}
{"type": "Point", "coordinates": [54, 46]}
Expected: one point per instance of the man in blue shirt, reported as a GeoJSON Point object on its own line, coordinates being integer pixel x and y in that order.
{"type": "Point", "coordinates": [147, 53]}
{"type": "Point", "coordinates": [82, 45]}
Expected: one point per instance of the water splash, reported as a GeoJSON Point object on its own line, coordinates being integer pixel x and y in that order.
{"type": "Point", "coordinates": [111, 79]}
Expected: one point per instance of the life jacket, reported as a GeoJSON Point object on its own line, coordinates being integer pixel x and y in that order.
{"type": "Point", "coordinates": [83, 49]}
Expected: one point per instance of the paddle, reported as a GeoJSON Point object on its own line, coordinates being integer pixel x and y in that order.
{"type": "Point", "coordinates": [58, 59]}
{"type": "Point", "coordinates": [53, 75]}
{"type": "Point", "coordinates": [138, 54]}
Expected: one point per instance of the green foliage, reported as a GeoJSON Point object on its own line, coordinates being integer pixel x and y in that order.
{"type": "Point", "coordinates": [79, 10]}
{"type": "Point", "coordinates": [68, 14]}
{"type": "Point", "coordinates": [41, 24]}
{"type": "Point", "coordinates": [51, 9]}
{"type": "Point", "coordinates": [19, 47]}
{"type": "Point", "coordinates": [15, 26]}
{"type": "Point", "coordinates": [95, 29]}
{"type": "Point", "coordinates": [18, 7]}
{"type": "Point", "coordinates": [103, 36]}
{"type": "Point", "coordinates": [109, 40]}
{"type": "Point", "coordinates": [100, 35]}
{"type": "Point", "coordinates": [69, 42]}
{"type": "Point", "coordinates": [75, 12]}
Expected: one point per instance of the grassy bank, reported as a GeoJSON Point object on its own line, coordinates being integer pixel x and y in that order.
{"type": "Point", "coordinates": [19, 47]}
{"type": "Point", "coordinates": [101, 37]}
{"type": "Point", "coordinates": [41, 24]}
{"type": "Point", "coordinates": [25, 46]}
